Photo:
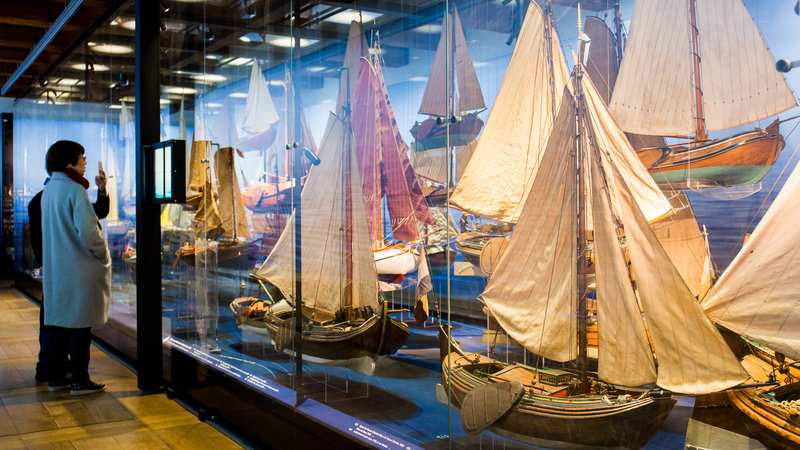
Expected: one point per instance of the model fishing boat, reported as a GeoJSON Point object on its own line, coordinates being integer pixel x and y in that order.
{"type": "Point", "coordinates": [271, 194]}
{"type": "Point", "coordinates": [586, 180]}
{"type": "Point", "coordinates": [684, 74]}
{"type": "Point", "coordinates": [497, 178]}
{"type": "Point", "coordinates": [756, 298]}
{"type": "Point", "coordinates": [344, 316]}
{"type": "Point", "coordinates": [388, 181]}
{"type": "Point", "coordinates": [452, 92]}
{"type": "Point", "coordinates": [259, 126]}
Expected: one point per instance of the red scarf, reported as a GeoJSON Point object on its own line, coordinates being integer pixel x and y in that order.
{"type": "Point", "coordinates": [76, 177]}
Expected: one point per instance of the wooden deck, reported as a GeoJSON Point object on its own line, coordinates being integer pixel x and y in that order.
{"type": "Point", "coordinates": [122, 418]}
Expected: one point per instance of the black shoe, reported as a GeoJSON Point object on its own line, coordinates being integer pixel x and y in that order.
{"type": "Point", "coordinates": [42, 377]}
{"type": "Point", "coordinates": [86, 388]}
{"type": "Point", "coordinates": [58, 385]}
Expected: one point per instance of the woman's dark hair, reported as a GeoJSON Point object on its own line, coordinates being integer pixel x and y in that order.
{"type": "Point", "coordinates": [62, 154]}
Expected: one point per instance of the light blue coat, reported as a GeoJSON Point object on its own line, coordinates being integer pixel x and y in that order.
{"type": "Point", "coordinates": [77, 264]}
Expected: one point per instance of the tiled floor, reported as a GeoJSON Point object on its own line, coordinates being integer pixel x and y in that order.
{"type": "Point", "coordinates": [121, 418]}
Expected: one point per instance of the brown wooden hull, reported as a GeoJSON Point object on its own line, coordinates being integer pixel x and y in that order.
{"type": "Point", "coordinates": [742, 159]}
{"type": "Point", "coordinates": [778, 426]}
{"type": "Point", "coordinates": [471, 244]}
{"type": "Point", "coordinates": [586, 420]}
{"type": "Point", "coordinates": [375, 336]}
{"type": "Point", "coordinates": [430, 134]}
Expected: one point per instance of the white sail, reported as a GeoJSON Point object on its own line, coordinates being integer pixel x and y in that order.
{"type": "Point", "coordinates": [654, 93]}
{"type": "Point", "coordinates": [259, 114]}
{"type": "Point", "coordinates": [739, 81]}
{"type": "Point", "coordinates": [614, 144]}
{"type": "Point", "coordinates": [532, 292]}
{"type": "Point", "coordinates": [757, 296]}
{"type": "Point", "coordinates": [687, 245]}
{"type": "Point", "coordinates": [324, 219]}
{"type": "Point", "coordinates": [499, 175]}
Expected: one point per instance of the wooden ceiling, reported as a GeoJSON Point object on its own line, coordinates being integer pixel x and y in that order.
{"type": "Point", "coordinates": [193, 30]}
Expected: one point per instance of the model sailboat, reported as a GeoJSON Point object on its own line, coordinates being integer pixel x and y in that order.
{"type": "Point", "coordinates": [756, 297]}
{"type": "Point", "coordinates": [344, 315]}
{"type": "Point", "coordinates": [685, 74]}
{"type": "Point", "coordinates": [452, 92]}
{"type": "Point", "coordinates": [645, 312]}
{"type": "Point", "coordinates": [496, 182]}
{"type": "Point", "coordinates": [258, 128]}
{"type": "Point", "coordinates": [680, 235]}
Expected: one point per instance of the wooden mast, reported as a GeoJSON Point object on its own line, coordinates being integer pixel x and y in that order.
{"type": "Point", "coordinates": [548, 39]}
{"type": "Point", "coordinates": [700, 126]}
{"type": "Point", "coordinates": [378, 158]}
{"type": "Point", "coordinates": [581, 262]}
{"type": "Point", "coordinates": [347, 297]}
{"type": "Point", "coordinates": [618, 33]}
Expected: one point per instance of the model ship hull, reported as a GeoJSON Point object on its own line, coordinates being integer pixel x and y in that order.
{"type": "Point", "coordinates": [585, 420]}
{"type": "Point", "coordinates": [268, 198]}
{"type": "Point", "coordinates": [776, 409]}
{"type": "Point", "coordinates": [471, 244]}
{"type": "Point", "coordinates": [396, 260]}
{"type": "Point", "coordinates": [374, 336]}
{"type": "Point", "coordinates": [743, 159]}
{"type": "Point", "coordinates": [430, 134]}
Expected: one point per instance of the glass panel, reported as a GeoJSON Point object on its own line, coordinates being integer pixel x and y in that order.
{"type": "Point", "coordinates": [79, 101]}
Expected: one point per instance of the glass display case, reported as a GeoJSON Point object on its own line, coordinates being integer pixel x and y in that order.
{"type": "Point", "coordinates": [86, 99]}
{"type": "Point", "coordinates": [427, 224]}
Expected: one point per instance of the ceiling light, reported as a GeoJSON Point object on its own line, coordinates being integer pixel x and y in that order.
{"type": "Point", "coordinates": [213, 56]}
{"type": "Point", "coordinates": [238, 95]}
{"type": "Point", "coordinates": [112, 49]}
{"type": "Point", "coordinates": [276, 83]}
{"type": "Point", "coordinates": [251, 37]}
{"type": "Point", "coordinates": [429, 28]}
{"type": "Point", "coordinates": [349, 15]}
{"type": "Point", "coordinates": [115, 21]}
{"type": "Point", "coordinates": [114, 106]}
{"type": "Point", "coordinates": [96, 67]}
{"type": "Point", "coordinates": [128, 99]}
{"type": "Point", "coordinates": [288, 41]}
{"type": "Point", "coordinates": [179, 90]}
{"type": "Point", "coordinates": [214, 105]}
{"type": "Point", "coordinates": [418, 79]}
{"type": "Point", "coordinates": [164, 101]}
{"type": "Point", "coordinates": [240, 61]}
{"type": "Point", "coordinates": [129, 24]}
{"type": "Point", "coordinates": [209, 78]}
{"type": "Point", "coordinates": [315, 69]}
{"type": "Point", "coordinates": [67, 81]}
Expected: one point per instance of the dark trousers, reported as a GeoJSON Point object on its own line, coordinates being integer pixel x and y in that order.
{"type": "Point", "coordinates": [42, 366]}
{"type": "Point", "coordinates": [68, 350]}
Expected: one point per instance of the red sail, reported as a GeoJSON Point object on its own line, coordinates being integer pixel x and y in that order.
{"type": "Point", "coordinates": [383, 160]}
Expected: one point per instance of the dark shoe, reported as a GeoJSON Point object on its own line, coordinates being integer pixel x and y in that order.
{"type": "Point", "coordinates": [58, 385]}
{"type": "Point", "coordinates": [86, 388]}
{"type": "Point", "coordinates": [42, 377]}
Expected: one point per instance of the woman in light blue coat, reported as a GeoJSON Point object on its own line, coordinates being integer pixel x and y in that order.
{"type": "Point", "coordinates": [76, 270]}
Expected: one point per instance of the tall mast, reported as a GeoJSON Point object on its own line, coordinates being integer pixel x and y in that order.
{"type": "Point", "coordinates": [548, 39]}
{"type": "Point", "coordinates": [618, 32]}
{"type": "Point", "coordinates": [700, 127]}
{"type": "Point", "coordinates": [450, 26]}
{"type": "Point", "coordinates": [582, 263]}
{"type": "Point", "coordinates": [378, 151]}
{"type": "Point", "coordinates": [347, 295]}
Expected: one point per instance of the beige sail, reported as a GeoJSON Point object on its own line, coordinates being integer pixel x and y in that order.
{"type": "Point", "coordinates": [500, 172]}
{"type": "Point", "coordinates": [436, 96]}
{"type": "Point", "coordinates": [324, 219]}
{"type": "Point", "coordinates": [686, 244]}
{"type": "Point", "coordinates": [624, 355]}
{"type": "Point", "coordinates": [356, 49]}
{"type": "Point", "coordinates": [232, 214]}
{"type": "Point", "coordinates": [757, 296]}
{"type": "Point", "coordinates": [693, 358]}
{"type": "Point", "coordinates": [470, 96]}
{"type": "Point", "coordinates": [739, 81]}
{"type": "Point", "coordinates": [432, 164]}
{"type": "Point", "coordinates": [532, 292]}
{"type": "Point", "coordinates": [615, 146]}
{"type": "Point", "coordinates": [198, 174]}
{"type": "Point", "coordinates": [653, 93]}
{"type": "Point", "coordinates": [207, 220]}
